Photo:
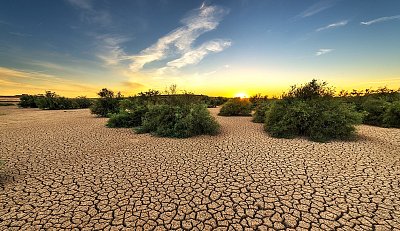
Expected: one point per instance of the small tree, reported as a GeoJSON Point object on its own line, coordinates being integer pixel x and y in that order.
{"type": "Point", "coordinates": [107, 104]}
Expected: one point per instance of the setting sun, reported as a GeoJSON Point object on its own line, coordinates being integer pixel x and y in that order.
{"type": "Point", "coordinates": [241, 95]}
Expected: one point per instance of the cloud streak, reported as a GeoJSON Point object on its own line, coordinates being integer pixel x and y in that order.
{"type": "Point", "coordinates": [333, 25]}
{"type": "Point", "coordinates": [83, 4]}
{"type": "Point", "coordinates": [382, 19]}
{"type": "Point", "coordinates": [317, 8]}
{"type": "Point", "coordinates": [196, 55]}
{"type": "Point", "coordinates": [323, 52]}
{"type": "Point", "coordinates": [90, 14]}
{"type": "Point", "coordinates": [17, 80]}
{"type": "Point", "coordinates": [179, 42]}
{"type": "Point", "coordinates": [111, 51]}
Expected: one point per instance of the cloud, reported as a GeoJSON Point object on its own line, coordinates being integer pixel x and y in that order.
{"type": "Point", "coordinates": [385, 81]}
{"type": "Point", "coordinates": [333, 25]}
{"type": "Point", "coordinates": [17, 81]}
{"type": "Point", "coordinates": [179, 42]}
{"type": "Point", "coordinates": [226, 66]}
{"type": "Point", "coordinates": [5, 23]}
{"type": "Point", "coordinates": [83, 4]}
{"type": "Point", "coordinates": [90, 14]}
{"type": "Point", "coordinates": [111, 51]}
{"type": "Point", "coordinates": [382, 19]}
{"type": "Point", "coordinates": [20, 34]}
{"type": "Point", "coordinates": [317, 8]}
{"type": "Point", "coordinates": [323, 52]}
{"type": "Point", "coordinates": [49, 65]}
{"type": "Point", "coordinates": [132, 85]}
{"type": "Point", "coordinates": [196, 55]}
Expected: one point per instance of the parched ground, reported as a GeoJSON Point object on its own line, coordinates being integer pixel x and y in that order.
{"type": "Point", "coordinates": [67, 170]}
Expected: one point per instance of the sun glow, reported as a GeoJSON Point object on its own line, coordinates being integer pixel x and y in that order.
{"type": "Point", "coordinates": [241, 95]}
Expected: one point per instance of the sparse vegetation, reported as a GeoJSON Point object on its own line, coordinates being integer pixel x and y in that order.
{"type": "Point", "coordinates": [52, 101]}
{"type": "Point", "coordinates": [179, 121]}
{"type": "Point", "coordinates": [378, 106]}
{"type": "Point", "coordinates": [236, 107]}
{"type": "Point", "coordinates": [258, 100]}
{"type": "Point", "coordinates": [391, 118]}
{"type": "Point", "coordinates": [127, 118]}
{"type": "Point", "coordinates": [170, 115]}
{"type": "Point", "coordinates": [311, 111]}
{"type": "Point", "coordinates": [107, 104]}
{"type": "Point", "coordinates": [28, 101]}
{"type": "Point", "coordinates": [213, 102]}
{"type": "Point", "coordinates": [375, 109]}
{"type": "Point", "coordinates": [6, 104]}
{"type": "Point", "coordinates": [260, 111]}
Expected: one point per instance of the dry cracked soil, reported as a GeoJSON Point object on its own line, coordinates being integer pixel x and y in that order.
{"type": "Point", "coordinates": [66, 170]}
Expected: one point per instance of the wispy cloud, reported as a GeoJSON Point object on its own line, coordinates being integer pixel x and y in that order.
{"type": "Point", "coordinates": [90, 14]}
{"type": "Point", "coordinates": [132, 85]}
{"type": "Point", "coordinates": [83, 4]}
{"type": "Point", "coordinates": [196, 55]}
{"type": "Point", "coordinates": [333, 25]}
{"type": "Point", "coordinates": [317, 8]}
{"type": "Point", "coordinates": [18, 80]}
{"type": "Point", "coordinates": [49, 65]}
{"type": "Point", "coordinates": [323, 52]}
{"type": "Point", "coordinates": [180, 41]}
{"type": "Point", "coordinates": [385, 81]}
{"type": "Point", "coordinates": [111, 51]}
{"type": "Point", "coordinates": [20, 34]}
{"type": "Point", "coordinates": [4, 23]}
{"type": "Point", "coordinates": [217, 70]}
{"type": "Point", "coordinates": [382, 19]}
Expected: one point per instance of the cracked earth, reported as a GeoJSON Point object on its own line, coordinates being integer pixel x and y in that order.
{"type": "Point", "coordinates": [66, 170]}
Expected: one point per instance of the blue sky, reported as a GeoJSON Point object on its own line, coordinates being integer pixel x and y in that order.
{"type": "Point", "coordinates": [76, 47]}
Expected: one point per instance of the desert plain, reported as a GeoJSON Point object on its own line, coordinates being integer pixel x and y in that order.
{"type": "Point", "coordinates": [65, 170]}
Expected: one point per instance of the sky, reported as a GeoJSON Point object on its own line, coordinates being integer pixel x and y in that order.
{"type": "Point", "coordinates": [215, 47]}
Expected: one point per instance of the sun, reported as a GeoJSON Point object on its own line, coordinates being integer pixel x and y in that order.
{"type": "Point", "coordinates": [241, 95]}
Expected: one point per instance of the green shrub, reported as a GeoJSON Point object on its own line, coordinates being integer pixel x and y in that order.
{"type": "Point", "coordinates": [308, 91]}
{"type": "Point", "coordinates": [27, 101]}
{"type": "Point", "coordinates": [107, 104]}
{"type": "Point", "coordinates": [213, 102]}
{"type": "Point", "coordinates": [320, 120]}
{"type": "Point", "coordinates": [311, 111]}
{"type": "Point", "coordinates": [332, 120]}
{"type": "Point", "coordinates": [129, 104]}
{"type": "Point", "coordinates": [260, 112]}
{"type": "Point", "coordinates": [258, 100]}
{"type": "Point", "coordinates": [179, 121]}
{"type": "Point", "coordinates": [82, 102]}
{"type": "Point", "coordinates": [127, 118]}
{"type": "Point", "coordinates": [287, 119]}
{"type": "Point", "coordinates": [391, 117]}
{"type": "Point", "coordinates": [236, 107]}
{"type": "Point", "coordinates": [375, 109]}
{"type": "Point", "coordinates": [6, 104]}
{"type": "Point", "coordinates": [52, 101]}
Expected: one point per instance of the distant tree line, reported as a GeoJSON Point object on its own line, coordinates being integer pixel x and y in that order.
{"type": "Point", "coordinates": [52, 101]}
